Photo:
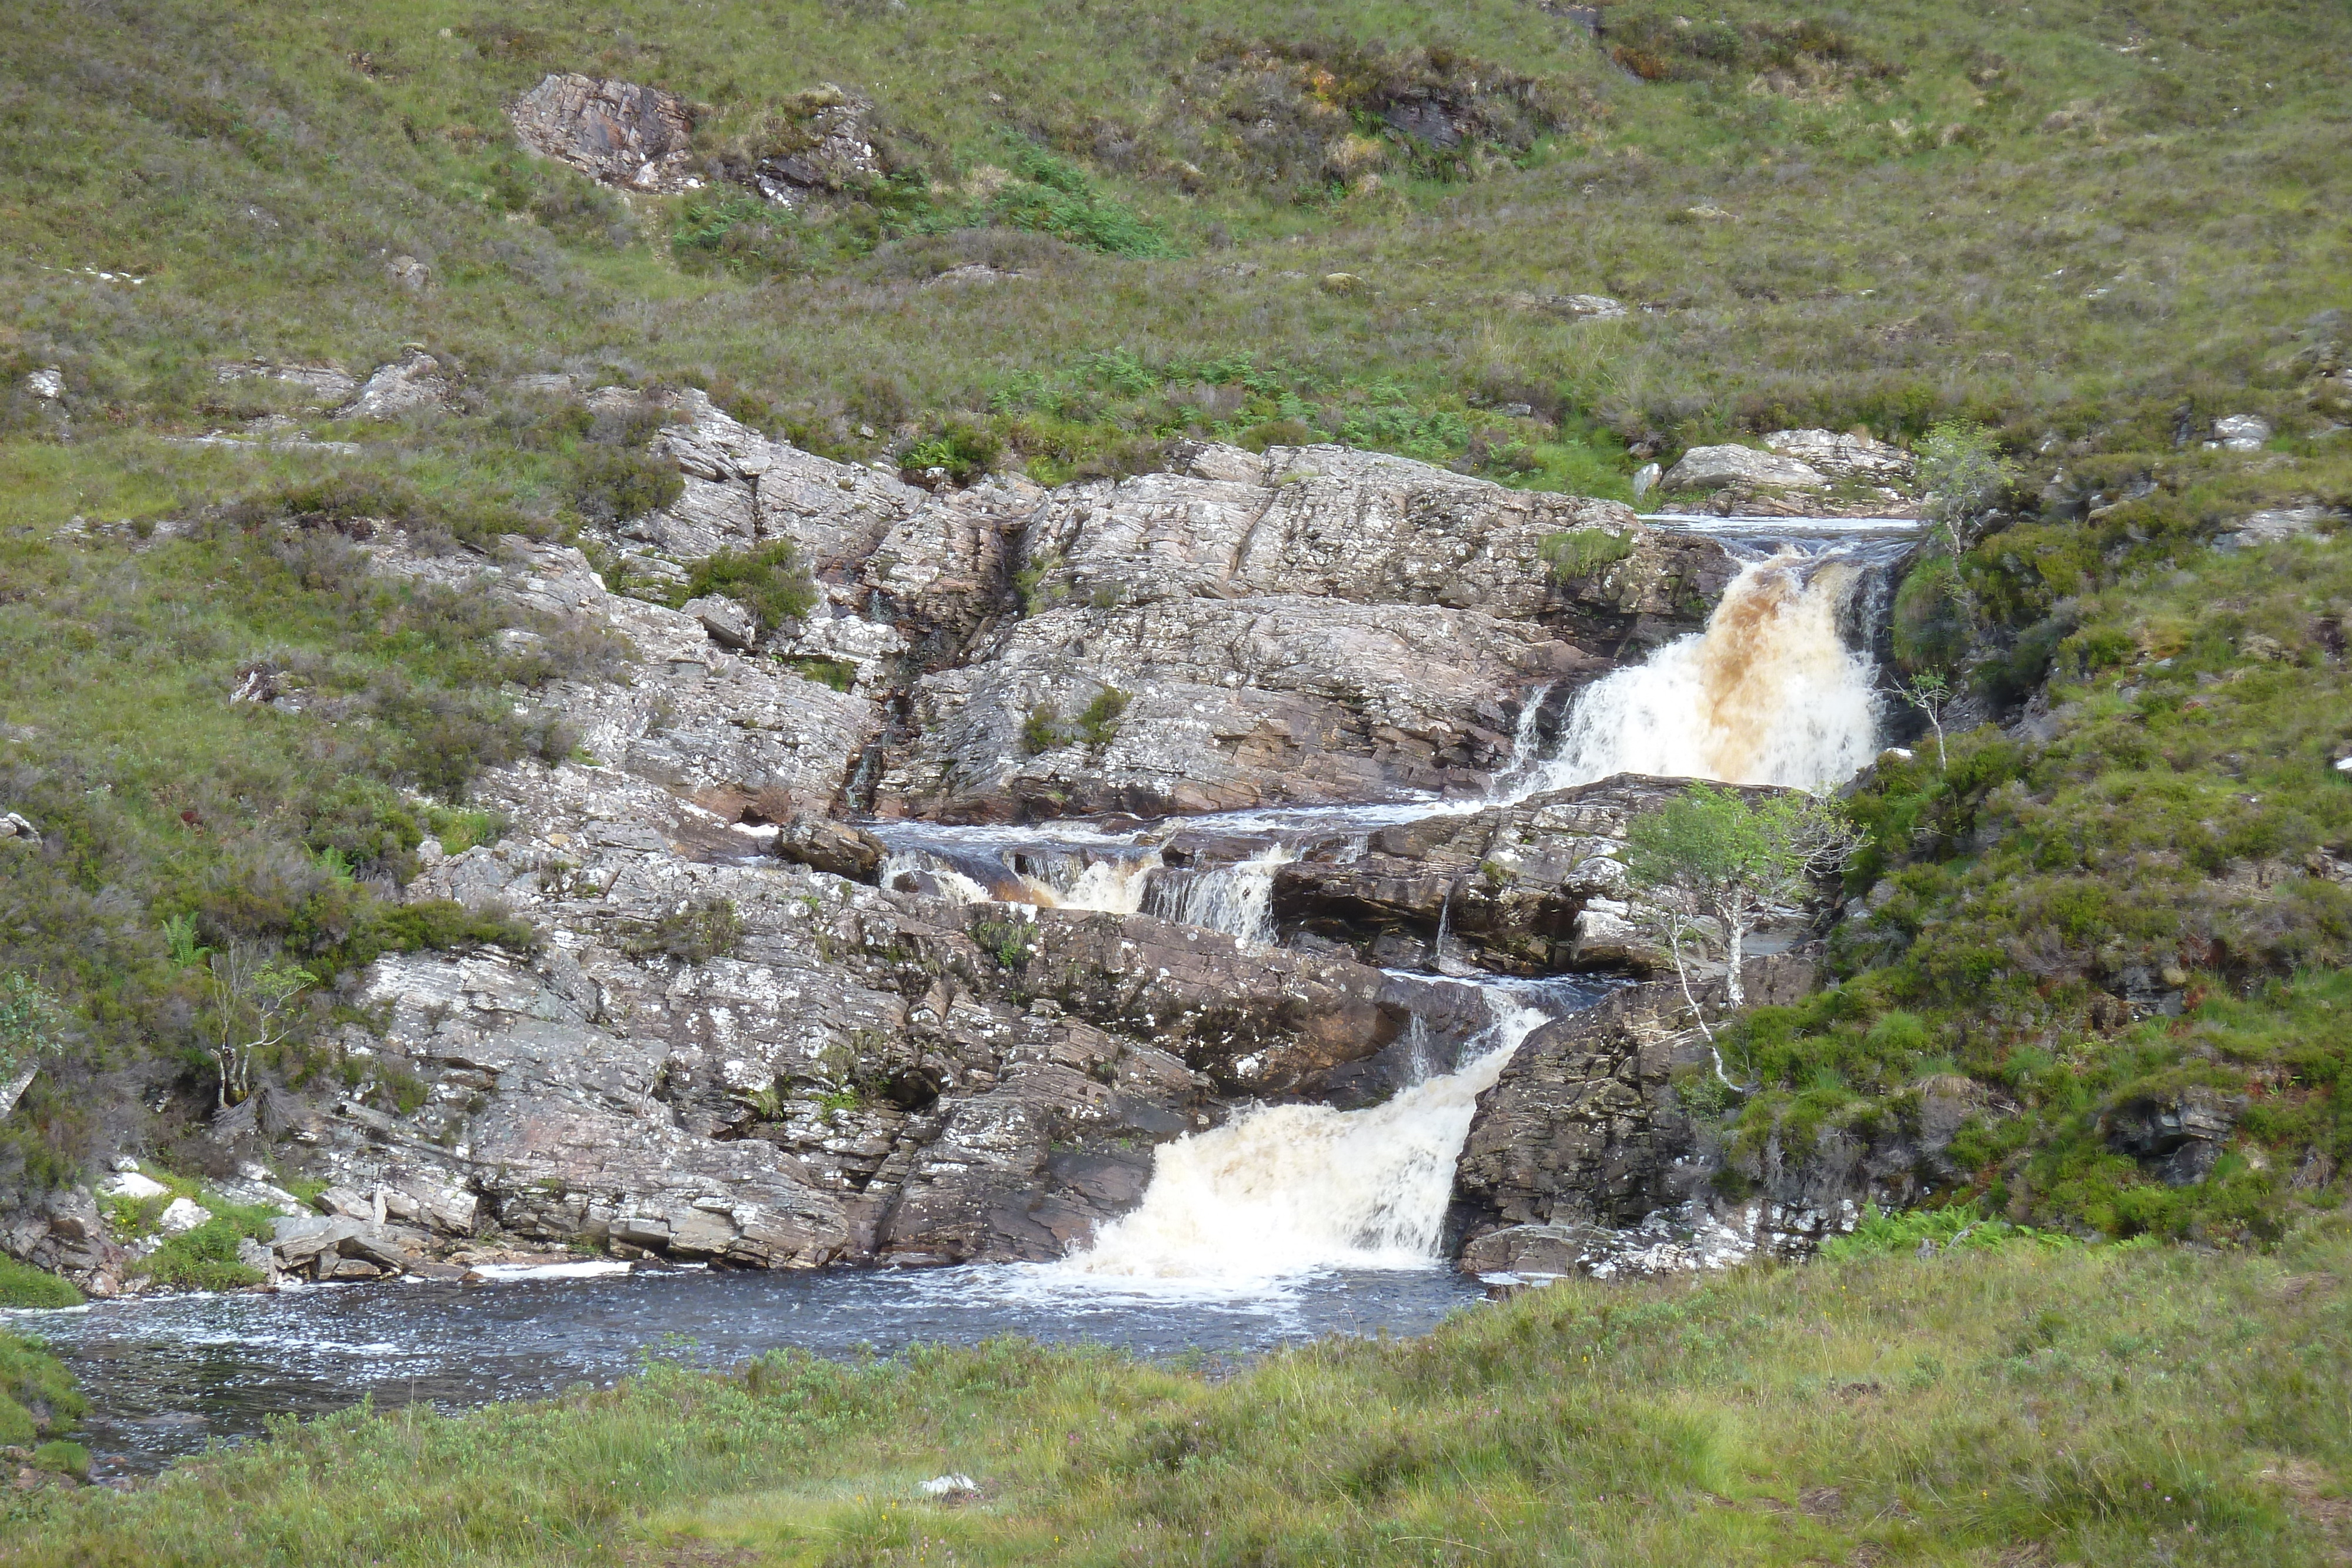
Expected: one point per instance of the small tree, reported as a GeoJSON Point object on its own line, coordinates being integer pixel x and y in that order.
{"type": "Point", "coordinates": [1712, 854]}
{"type": "Point", "coordinates": [1962, 469]}
{"type": "Point", "coordinates": [1962, 466]}
{"type": "Point", "coordinates": [251, 1004]}
{"type": "Point", "coordinates": [1933, 694]}
{"type": "Point", "coordinates": [32, 1026]}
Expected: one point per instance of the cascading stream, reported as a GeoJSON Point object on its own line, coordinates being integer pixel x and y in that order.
{"type": "Point", "coordinates": [1289, 1189]}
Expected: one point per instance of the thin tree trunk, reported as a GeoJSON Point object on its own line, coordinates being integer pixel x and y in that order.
{"type": "Point", "coordinates": [13, 1089]}
{"type": "Point", "coordinates": [1734, 995]}
{"type": "Point", "coordinates": [1673, 944]}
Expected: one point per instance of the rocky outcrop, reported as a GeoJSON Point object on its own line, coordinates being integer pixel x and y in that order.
{"type": "Point", "coordinates": [62, 1232]}
{"type": "Point", "coordinates": [826, 146]}
{"type": "Point", "coordinates": [1583, 1125]}
{"type": "Point", "coordinates": [1222, 704]}
{"type": "Point", "coordinates": [410, 383]}
{"type": "Point", "coordinates": [698, 717]}
{"type": "Point", "coordinates": [616, 132]}
{"type": "Point", "coordinates": [1535, 887]}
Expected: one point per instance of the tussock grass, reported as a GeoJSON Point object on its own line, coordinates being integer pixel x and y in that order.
{"type": "Point", "coordinates": [2012, 1402]}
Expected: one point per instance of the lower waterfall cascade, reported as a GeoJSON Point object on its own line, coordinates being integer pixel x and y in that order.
{"type": "Point", "coordinates": [1285, 1189]}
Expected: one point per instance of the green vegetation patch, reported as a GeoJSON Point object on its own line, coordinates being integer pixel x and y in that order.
{"type": "Point", "coordinates": [2065, 1404]}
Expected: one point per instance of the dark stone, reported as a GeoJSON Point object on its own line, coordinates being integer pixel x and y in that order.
{"type": "Point", "coordinates": [829, 846]}
{"type": "Point", "coordinates": [2177, 1137]}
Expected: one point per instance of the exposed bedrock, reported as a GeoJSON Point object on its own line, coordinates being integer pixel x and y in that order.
{"type": "Point", "coordinates": [1587, 1130]}
{"type": "Point", "coordinates": [1535, 887]}
{"type": "Point", "coordinates": [1313, 624]}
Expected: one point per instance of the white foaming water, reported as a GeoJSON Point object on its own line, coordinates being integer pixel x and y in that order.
{"type": "Point", "coordinates": [1291, 1189]}
{"type": "Point", "coordinates": [1237, 899]}
{"type": "Point", "coordinates": [1116, 885]}
{"type": "Point", "coordinates": [1768, 693]}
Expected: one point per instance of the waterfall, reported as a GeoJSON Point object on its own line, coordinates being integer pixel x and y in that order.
{"type": "Point", "coordinates": [1524, 757]}
{"type": "Point", "coordinates": [1237, 900]}
{"type": "Point", "coordinates": [1074, 879]}
{"type": "Point", "coordinates": [1287, 1189]}
{"type": "Point", "coordinates": [1768, 693]}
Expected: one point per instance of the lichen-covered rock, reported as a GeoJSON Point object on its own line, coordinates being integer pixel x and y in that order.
{"type": "Point", "coordinates": [1719, 468]}
{"type": "Point", "coordinates": [616, 132]}
{"type": "Point", "coordinates": [412, 381]}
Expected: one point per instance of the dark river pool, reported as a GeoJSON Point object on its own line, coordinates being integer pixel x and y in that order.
{"type": "Point", "coordinates": [167, 1375]}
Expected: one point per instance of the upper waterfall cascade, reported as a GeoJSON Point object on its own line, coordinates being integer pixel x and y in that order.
{"type": "Point", "coordinates": [1767, 693]}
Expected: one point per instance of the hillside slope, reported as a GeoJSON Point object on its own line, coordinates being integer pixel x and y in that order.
{"type": "Point", "coordinates": [1090, 231]}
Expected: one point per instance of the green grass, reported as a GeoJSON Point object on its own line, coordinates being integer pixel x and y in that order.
{"type": "Point", "coordinates": [2101, 1405]}
{"type": "Point", "coordinates": [22, 1285]}
{"type": "Point", "coordinates": [2171, 836]}
{"type": "Point", "coordinates": [38, 1396]}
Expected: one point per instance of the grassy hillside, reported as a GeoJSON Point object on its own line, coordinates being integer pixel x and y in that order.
{"type": "Point", "coordinates": [2007, 1400]}
{"type": "Point", "coordinates": [2093, 229]}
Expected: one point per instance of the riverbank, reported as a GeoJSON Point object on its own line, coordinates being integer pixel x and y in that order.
{"type": "Point", "coordinates": [2019, 1403]}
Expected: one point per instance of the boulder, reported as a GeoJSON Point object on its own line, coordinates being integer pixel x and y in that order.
{"type": "Point", "coordinates": [408, 274]}
{"type": "Point", "coordinates": [17, 832]}
{"type": "Point", "coordinates": [412, 381]}
{"type": "Point", "coordinates": [182, 1214]}
{"type": "Point", "coordinates": [2242, 432]}
{"type": "Point", "coordinates": [835, 848]}
{"type": "Point", "coordinates": [1722, 467]}
{"type": "Point", "coordinates": [616, 132]}
{"type": "Point", "coordinates": [729, 623]}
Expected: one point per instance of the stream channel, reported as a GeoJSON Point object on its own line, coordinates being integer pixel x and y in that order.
{"type": "Point", "coordinates": [1286, 1223]}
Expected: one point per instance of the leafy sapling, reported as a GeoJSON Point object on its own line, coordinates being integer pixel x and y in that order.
{"type": "Point", "coordinates": [1712, 855]}
{"type": "Point", "coordinates": [252, 1004]}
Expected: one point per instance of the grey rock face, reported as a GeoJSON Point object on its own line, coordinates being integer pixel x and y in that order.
{"type": "Point", "coordinates": [1230, 704]}
{"type": "Point", "coordinates": [1719, 468]}
{"type": "Point", "coordinates": [330, 383]}
{"type": "Point", "coordinates": [410, 382]}
{"type": "Point", "coordinates": [1843, 456]}
{"type": "Point", "coordinates": [616, 132]}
